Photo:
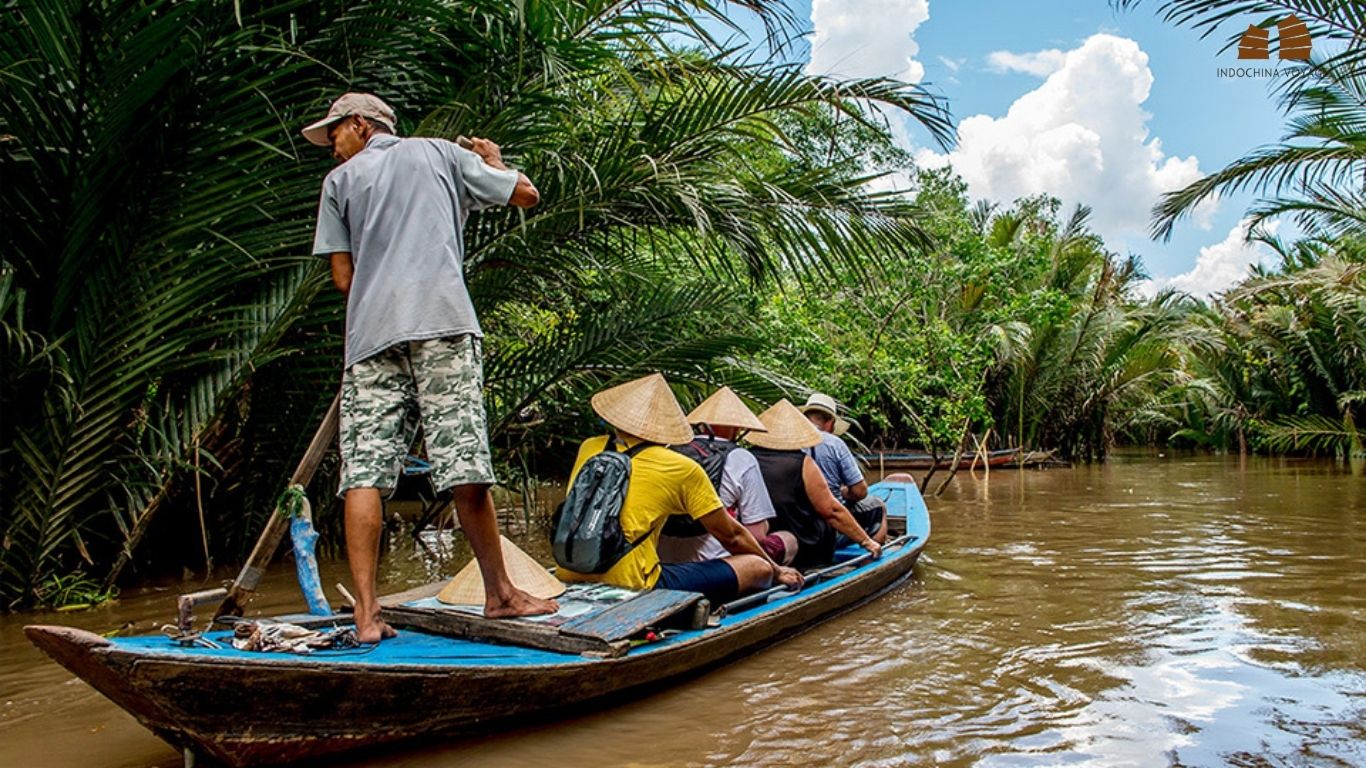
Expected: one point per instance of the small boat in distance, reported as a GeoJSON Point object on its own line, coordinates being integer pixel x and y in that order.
{"type": "Point", "coordinates": [244, 708]}
{"type": "Point", "coordinates": [900, 460]}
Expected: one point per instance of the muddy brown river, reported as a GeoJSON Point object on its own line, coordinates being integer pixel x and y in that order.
{"type": "Point", "coordinates": [1148, 612]}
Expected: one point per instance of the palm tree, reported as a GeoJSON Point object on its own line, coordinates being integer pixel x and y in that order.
{"type": "Point", "coordinates": [1308, 329]}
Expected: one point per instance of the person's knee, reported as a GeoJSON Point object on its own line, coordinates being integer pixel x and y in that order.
{"type": "Point", "coordinates": [471, 495]}
{"type": "Point", "coordinates": [789, 546]}
{"type": "Point", "coordinates": [877, 509]}
{"type": "Point", "coordinates": [751, 572]}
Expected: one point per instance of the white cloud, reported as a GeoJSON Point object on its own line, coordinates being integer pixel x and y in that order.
{"type": "Point", "coordinates": [1219, 266]}
{"type": "Point", "coordinates": [953, 65]}
{"type": "Point", "coordinates": [867, 38]}
{"type": "Point", "coordinates": [1081, 136]}
{"type": "Point", "coordinates": [1038, 63]}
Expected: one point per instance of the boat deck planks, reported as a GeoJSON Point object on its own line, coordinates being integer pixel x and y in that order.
{"type": "Point", "coordinates": [604, 631]}
{"type": "Point", "coordinates": [624, 620]}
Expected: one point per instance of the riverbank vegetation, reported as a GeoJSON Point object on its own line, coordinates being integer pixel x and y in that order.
{"type": "Point", "coordinates": [170, 344]}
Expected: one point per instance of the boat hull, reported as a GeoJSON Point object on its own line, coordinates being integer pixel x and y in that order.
{"type": "Point", "coordinates": [274, 709]}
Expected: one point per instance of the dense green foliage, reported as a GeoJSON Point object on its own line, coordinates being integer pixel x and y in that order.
{"type": "Point", "coordinates": [1016, 321]}
{"type": "Point", "coordinates": [169, 343]}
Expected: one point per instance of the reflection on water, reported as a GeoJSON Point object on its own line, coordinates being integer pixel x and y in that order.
{"type": "Point", "coordinates": [1147, 612]}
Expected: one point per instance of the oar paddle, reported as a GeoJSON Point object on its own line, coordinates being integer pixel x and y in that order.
{"type": "Point", "coordinates": [235, 599]}
{"type": "Point", "coordinates": [759, 598]}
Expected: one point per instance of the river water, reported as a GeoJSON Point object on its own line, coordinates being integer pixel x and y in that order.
{"type": "Point", "coordinates": [1148, 612]}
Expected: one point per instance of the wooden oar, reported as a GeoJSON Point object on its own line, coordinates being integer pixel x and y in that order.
{"type": "Point", "coordinates": [235, 597]}
{"type": "Point", "coordinates": [759, 598]}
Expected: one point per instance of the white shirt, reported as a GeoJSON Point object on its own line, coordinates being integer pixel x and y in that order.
{"type": "Point", "coordinates": [744, 496]}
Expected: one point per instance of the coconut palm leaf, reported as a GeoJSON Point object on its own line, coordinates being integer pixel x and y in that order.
{"type": "Point", "coordinates": [1325, 99]}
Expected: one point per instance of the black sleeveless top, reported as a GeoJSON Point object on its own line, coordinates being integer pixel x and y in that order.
{"type": "Point", "coordinates": [782, 471]}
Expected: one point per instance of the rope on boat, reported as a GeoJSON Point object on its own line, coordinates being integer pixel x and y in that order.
{"type": "Point", "coordinates": [186, 638]}
{"type": "Point", "coordinates": [293, 504]}
{"type": "Point", "coordinates": [293, 501]}
{"type": "Point", "coordinates": [268, 636]}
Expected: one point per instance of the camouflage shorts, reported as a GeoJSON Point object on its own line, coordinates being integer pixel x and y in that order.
{"type": "Point", "coordinates": [438, 384]}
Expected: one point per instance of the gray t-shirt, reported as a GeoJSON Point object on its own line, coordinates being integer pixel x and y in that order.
{"type": "Point", "coordinates": [398, 207]}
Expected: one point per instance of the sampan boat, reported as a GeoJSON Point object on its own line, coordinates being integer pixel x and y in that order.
{"type": "Point", "coordinates": [246, 708]}
{"type": "Point", "coordinates": [903, 460]}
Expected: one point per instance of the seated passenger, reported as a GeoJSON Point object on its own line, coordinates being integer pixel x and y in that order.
{"type": "Point", "coordinates": [664, 483]}
{"type": "Point", "coordinates": [798, 490]}
{"type": "Point", "coordinates": [734, 474]}
{"type": "Point", "coordinates": [841, 470]}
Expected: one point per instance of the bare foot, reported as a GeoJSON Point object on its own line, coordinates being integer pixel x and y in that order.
{"type": "Point", "coordinates": [518, 603]}
{"type": "Point", "coordinates": [374, 631]}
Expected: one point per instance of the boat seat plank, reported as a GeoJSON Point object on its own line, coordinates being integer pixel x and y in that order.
{"type": "Point", "coordinates": [626, 619]}
{"type": "Point", "coordinates": [532, 634]}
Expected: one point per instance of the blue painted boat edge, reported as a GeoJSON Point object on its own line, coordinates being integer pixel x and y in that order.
{"type": "Point", "coordinates": [418, 650]}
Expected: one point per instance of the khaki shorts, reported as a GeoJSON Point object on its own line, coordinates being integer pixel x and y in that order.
{"type": "Point", "coordinates": [437, 384]}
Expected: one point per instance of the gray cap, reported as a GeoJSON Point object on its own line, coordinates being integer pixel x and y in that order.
{"type": "Point", "coordinates": [364, 104]}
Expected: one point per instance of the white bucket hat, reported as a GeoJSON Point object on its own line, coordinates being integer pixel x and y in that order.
{"type": "Point", "coordinates": [826, 404]}
{"type": "Point", "coordinates": [365, 105]}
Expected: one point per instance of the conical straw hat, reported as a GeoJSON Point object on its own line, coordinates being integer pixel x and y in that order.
{"type": "Point", "coordinates": [645, 408]}
{"type": "Point", "coordinates": [788, 429]}
{"type": "Point", "coordinates": [725, 409]}
{"type": "Point", "coordinates": [467, 588]}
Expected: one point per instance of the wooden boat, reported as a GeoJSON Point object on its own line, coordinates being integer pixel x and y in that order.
{"type": "Point", "coordinates": [913, 460]}
{"type": "Point", "coordinates": [248, 708]}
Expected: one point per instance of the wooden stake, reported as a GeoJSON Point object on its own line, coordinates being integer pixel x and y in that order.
{"type": "Point", "coordinates": [278, 525]}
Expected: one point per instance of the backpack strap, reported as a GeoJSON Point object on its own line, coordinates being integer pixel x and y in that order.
{"type": "Point", "coordinates": [631, 453]}
{"type": "Point", "coordinates": [613, 442]}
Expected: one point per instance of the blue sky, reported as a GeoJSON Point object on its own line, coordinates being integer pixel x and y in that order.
{"type": "Point", "coordinates": [1072, 98]}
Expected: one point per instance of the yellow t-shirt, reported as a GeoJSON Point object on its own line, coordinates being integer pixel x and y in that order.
{"type": "Point", "coordinates": [663, 483]}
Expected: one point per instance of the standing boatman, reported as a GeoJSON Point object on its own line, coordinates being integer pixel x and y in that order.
{"type": "Point", "coordinates": [390, 221]}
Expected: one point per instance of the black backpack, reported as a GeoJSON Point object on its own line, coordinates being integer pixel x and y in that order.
{"type": "Point", "coordinates": [586, 534]}
{"type": "Point", "coordinates": [712, 455]}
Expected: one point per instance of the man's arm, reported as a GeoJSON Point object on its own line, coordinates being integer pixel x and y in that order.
{"type": "Point", "coordinates": [856, 492]}
{"type": "Point", "coordinates": [525, 194]}
{"type": "Point", "coordinates": [342, 269]}
{"type": "Point", "coordinates": [829, 508]}
{"type": "Point", "coordinates": [739, 541]}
